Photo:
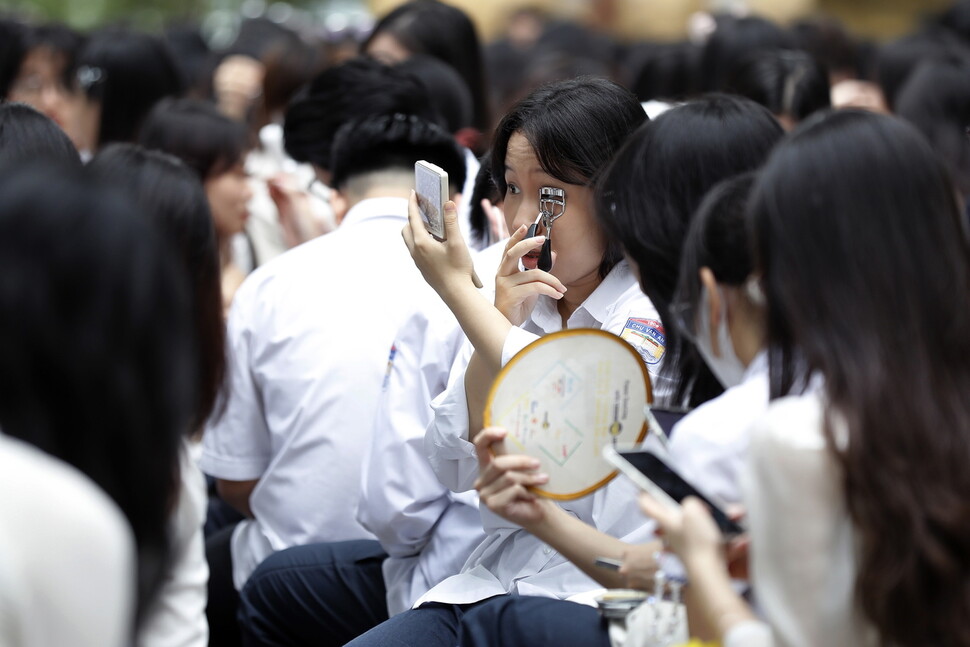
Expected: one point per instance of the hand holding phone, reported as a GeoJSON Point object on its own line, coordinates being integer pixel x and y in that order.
{"type": "Point", "coordinates": [431, 187]}
{"type": "Point", "coordinates": [654, 475]}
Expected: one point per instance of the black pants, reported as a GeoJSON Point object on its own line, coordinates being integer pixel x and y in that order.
{"type": "Point", "coordinates": [223, 601]}
{"type": "Point", "coordinates": [321, 595]}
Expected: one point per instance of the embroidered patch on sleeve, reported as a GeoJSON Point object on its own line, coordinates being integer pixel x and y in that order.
{"type": "Point", "coordinates": [390, 366]}
{"type": "Point", "coordinates": [647, 336]}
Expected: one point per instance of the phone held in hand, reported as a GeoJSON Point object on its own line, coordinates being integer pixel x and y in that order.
{"type": "Point", "coordinates": [431, 187]}
{"type": "Point", "coordinates": [653, 474]}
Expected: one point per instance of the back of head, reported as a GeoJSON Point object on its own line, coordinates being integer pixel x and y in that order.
{"type": "Point", "coordinates": [446, 33]}
{"type": "Point", "coordinates": [127, 73]}
{"type": "Point", "coordinates": [866, 269]}
{"type": "Point", "coordinates": [27, 135]}
{"type": "Point", "coordinates": [655, 183]}
{"type": "Point", "coordinates": [95, 350]}
{"type": "Point", "coordinates": [391, 144]}
{"type": "Point", "coordinates": [171, 196]}
{"type": "Point", "coordinates": [665, 71]}
{"type": "Point", "coordinates": [341, 94]}
{"type": "Point", "coordinates": [895, 61]}
{"type": "Point", "coordinates": [733, 41]}
{"type": "Point", "coordinates": [936, 99]}
{"type": "Point", "coordinates": [12, 52]}
{"type": "Point", "coordinates": [196, 132]}
{"type": "Point", "coordinates": [446, 90]}
{"type": "Point", "coordinates": [791, 84]}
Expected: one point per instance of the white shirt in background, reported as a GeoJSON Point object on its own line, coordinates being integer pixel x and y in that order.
{"type": "Point", "coordinates": [309, 334]}
{"type": "Point", "coordinates": [427, 530]}
{"type": "Point", "coordinates": [67, 556]}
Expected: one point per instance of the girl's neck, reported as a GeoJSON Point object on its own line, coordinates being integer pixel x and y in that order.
{"type": "Point", "coordinates": [576, 294]}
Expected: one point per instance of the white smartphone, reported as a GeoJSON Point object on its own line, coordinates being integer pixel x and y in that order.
{"type": "Point", "coordinates": [431, 187]}
{"type": "Point", "coordinates": [653, 474]}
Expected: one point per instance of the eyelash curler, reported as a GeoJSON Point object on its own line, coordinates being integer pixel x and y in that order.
{"type": "Point", "coordinates": [552, 205]}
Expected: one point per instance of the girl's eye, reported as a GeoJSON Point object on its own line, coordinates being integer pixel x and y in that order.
{"type": "Point", "coordinates": [512, 189]}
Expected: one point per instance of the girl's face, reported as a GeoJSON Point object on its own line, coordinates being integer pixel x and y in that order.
{"type": "Point", "coordinates": [40, 85]}
{"type": "Point", "coordinates": [229, 195]}
{"type": "Point", "coordinates": [387, 49]}
{"type": "Point", "coordinates": [578, 244]}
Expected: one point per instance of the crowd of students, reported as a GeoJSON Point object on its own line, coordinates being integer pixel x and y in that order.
{"type": "Point", "coordinates": [236, 408]}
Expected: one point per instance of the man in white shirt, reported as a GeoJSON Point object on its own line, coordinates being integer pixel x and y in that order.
{"type": "Point", "coordinates": [308, 336]}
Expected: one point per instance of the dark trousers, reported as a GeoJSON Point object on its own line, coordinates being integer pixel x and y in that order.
{"type": "Point", "coordinates": [319, 595]}
{"type": "Point", "coordinates": [223, 601]}
{"type": "Point", "coordinates": [506, 620]}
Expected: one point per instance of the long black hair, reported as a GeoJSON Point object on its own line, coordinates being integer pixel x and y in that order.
{"type": "Point", "coordinates": [647, 197]}
{"type": "Point", "coordinates": [574, 127]}
{"type": "Point", "coordinates": [171, 196]}
{"type": "Point", "coordinates": [865, 263]}
{"type": "Point", "coordinates": [96, 352]}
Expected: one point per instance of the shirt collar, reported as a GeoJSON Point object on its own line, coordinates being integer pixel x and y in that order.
{"type": "Point", "coordinates": [376, 208]}
{"type": "Point", "coordinates": [598, 305]}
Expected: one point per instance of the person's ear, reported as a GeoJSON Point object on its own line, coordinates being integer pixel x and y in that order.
{"type": "Point", "coordinates": [714, 303]}
{"type": "Point", "coordinates": [340, 205]}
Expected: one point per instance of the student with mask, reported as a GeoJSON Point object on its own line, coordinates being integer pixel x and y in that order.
{"type": "Point", "coordinates": [856, 483]}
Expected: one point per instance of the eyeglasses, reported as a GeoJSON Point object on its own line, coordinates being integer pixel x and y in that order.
{"type": "Point", "coordinates": [35, 86]}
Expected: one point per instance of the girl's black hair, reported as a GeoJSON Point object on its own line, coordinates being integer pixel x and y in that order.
{"type": "Point", "coordinates": [194, 131]}
{"type": "Point", "coordinates": [733, 41]}
{"type": "Point", "coordinates": [446, 33]}
{"type": "Point", "coordinates": [128, 72]}
{"type": "Point", "coordinates": [96, 352]}
{"type": "Point", "coordinates": [27, 135]}
{"type": "Point", "coordinates": [936, 99]}
{"type": "Point", "coordinates": [718, 239]}
{"type": "Point", "coordinates": [484, 188]}
{"type": "Point", "coordinates": [865, 264]}
{"type": "Point", "coordinates": [170, 194]}
{"type": "Point", "coordinates": [12, 51]}
{"type": "Point", "coordinates": [574, 127]}
{"type": "Point", "coordinates": [62, 41]}
{"type": "Point", "coordinates": [787, 82]}
{"type": "Point", "coordinates": [648, 195]}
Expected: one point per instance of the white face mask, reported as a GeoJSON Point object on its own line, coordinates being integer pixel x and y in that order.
{"type": "Point", "coordinates": [727, 368]}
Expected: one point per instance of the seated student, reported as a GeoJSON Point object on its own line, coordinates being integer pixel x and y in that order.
{"type": "Point", "coordinates": [95, 358]}
{"type": "Point", "coordinates": [309, 336]}
{"type": "Point", "coordinates": [214, 146]}
{"type": "Point", "coordinates": [601, 292]}
{"type": "Point", "coordinates": [708, 446]}
{"type": "Point", "coordinates": [170, 195]}
{"type": "Point", "coordinates": [739, 136]}
{"type": "Point", "coordinates": [322, 594]}
{"type": "Point", "coordinates": [856, 484]}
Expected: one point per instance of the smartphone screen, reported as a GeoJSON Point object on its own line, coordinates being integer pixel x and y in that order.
{"type": "Point", "coordinates": [676, 487]}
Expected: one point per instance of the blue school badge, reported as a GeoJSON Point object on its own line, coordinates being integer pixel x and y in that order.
{"type": "Point", "coordinates": [648, 337]}
{"type": "Point", "coordinates": [390, 366]}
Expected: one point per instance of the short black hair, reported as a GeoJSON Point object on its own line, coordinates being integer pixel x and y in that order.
{"type": "Point", "coordinates": [346, 92]}
{"type": "Point", "coordinates": [895, 61]}
{"type": "Point", "coordinates": [11, 52]}
{"type": "Point", "coordinates": [446, 33]}
{"type": "Point", "coordinates": [446, 90]}
{"type": "Point", "coordinates": [787, 82]}
{"type": "Point", "coordinates": [733, 41]}
{"type": "Point", "coordinates": [27, 135]}
{"type": "Point", "coordinates": [194, 131]}
{"type": "Point", "coordinates": [574, 127]}
{"type": "Point", "coordinates": [397, 141]}
{"type": "Point", "coordinates": [128, 72]}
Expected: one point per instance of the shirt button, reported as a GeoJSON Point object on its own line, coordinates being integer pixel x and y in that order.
{"type": "Point", "coordinates": [547, 550]}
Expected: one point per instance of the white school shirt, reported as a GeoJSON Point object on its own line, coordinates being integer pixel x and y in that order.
{"type": "Point", "coordinates": [427, 530]}
{"type": "Point", "coordinates": [309, 334]}
{"type": "Point", "coordinates": [177, 617]}
{"type": "Point", "coordinates": [67, 556]}
{"type": "Point", "coordinates": [709, 446]}
{"type": "Point", "coordinates": [511, 560]}
{"type": "Point", "coordinates": [803, 548]}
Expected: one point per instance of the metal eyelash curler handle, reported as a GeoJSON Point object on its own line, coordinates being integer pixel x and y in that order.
{"type": "Point", "coordinates": [552, 205]}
